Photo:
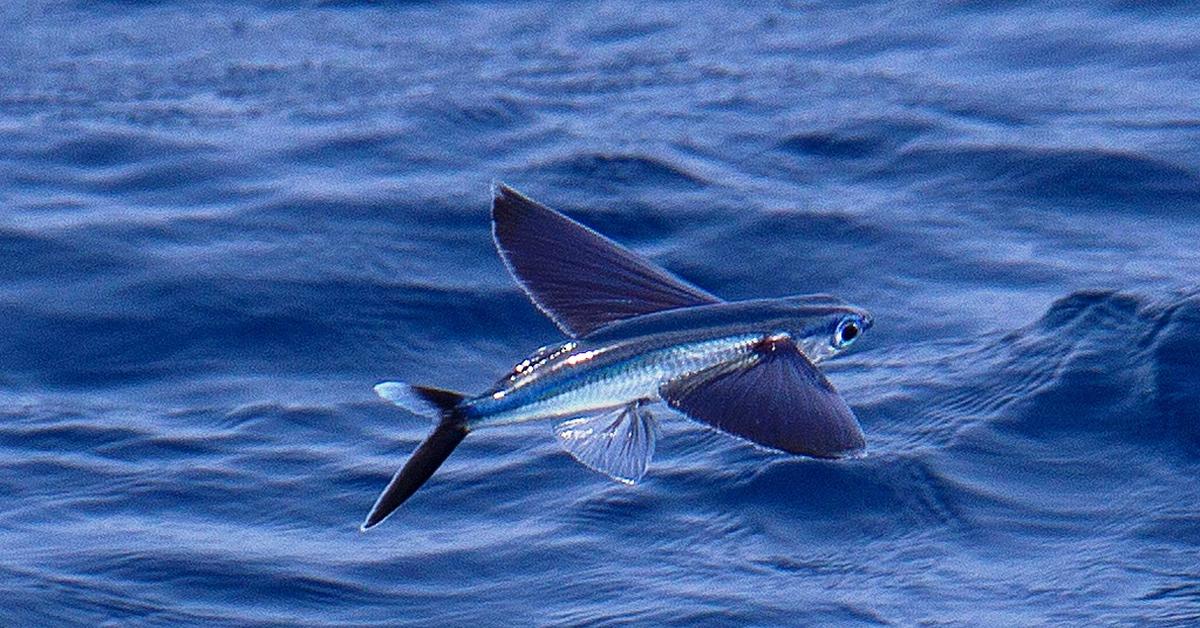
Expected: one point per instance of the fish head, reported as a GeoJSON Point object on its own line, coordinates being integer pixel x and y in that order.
{"type": "Point", "coordinates": [823, 325]}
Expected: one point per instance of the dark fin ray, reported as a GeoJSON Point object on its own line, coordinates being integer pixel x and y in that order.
{"type": "Point", "coordinates": [776, 398]}
{"type": "Point", "coordinates": [446, 400]}
{"type": "Point", "coordinates": [426, 459]}
{"type": "Point", "coordinates": [579, 278]}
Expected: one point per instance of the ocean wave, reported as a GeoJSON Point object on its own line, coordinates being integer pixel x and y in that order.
{"type": "Point", "coordinates": [225, 223]}
{"type": "Point", "coordinates": [1089, 178]}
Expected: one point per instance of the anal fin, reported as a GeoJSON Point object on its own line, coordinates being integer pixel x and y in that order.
{"type": "Point", "coordinates": [618, 443]}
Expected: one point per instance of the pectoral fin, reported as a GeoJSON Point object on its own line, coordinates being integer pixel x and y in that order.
{"type": "Point", "coordinates": [776, 398]}
{"type": "Point", "coordinates": [618, 443]}
{"type": "Point", "coordinates": [579, 278]}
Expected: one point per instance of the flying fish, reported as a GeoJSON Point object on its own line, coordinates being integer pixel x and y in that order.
{"type": "Point", "coordinates": [638, 336]}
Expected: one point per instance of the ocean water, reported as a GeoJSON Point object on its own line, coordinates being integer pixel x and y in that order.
{"type": "Point", "coordinates": [222, 223]}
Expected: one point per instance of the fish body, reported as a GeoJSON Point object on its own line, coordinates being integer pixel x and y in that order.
{"type": "Point", "coordinates": [638, 335]}
{"type": "Point", "coordinates": [632, 360]}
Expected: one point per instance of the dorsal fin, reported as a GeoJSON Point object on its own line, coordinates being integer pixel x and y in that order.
{"type": "Point", "coordinates": [579, 278]}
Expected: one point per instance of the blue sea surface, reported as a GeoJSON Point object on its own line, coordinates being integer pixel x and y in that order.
{"type": "Point", "coordinates": [222, 223]}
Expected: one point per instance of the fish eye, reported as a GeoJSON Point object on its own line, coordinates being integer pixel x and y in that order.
{"type": "Point", "coordinates": [847, 331]}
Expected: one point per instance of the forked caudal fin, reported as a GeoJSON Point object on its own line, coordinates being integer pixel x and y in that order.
{"type": "Point", "coordinates": [423, 401]}
{"type": "Point", "coordinates": [450, 431]}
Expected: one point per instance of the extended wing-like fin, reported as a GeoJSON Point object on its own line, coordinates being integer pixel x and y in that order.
{"type": "Point", "coordinates": [775, 398]}
{"type": "Point", "coordinates": [579, 278]}
{"type": "Point", "coordinates": [618, 443]}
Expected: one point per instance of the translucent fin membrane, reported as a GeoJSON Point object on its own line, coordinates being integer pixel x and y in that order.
{"type": "Point", "coordinates": [618, 443]}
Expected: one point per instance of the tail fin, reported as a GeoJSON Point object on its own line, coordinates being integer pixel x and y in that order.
{"type": "Point", "coordinates": [419, 400]}
{"type": "Point", "coordinates": [450, 431]}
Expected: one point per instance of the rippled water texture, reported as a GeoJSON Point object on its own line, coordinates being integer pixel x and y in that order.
{"type": "Point", "coordinates": [223, 223]}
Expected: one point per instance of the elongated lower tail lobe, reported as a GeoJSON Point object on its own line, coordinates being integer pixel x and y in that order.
{"type": "Point", "coordinates": [450, 431]}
